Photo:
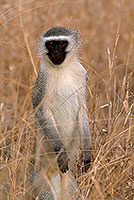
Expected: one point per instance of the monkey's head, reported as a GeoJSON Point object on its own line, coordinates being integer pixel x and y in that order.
{"type": "Point", "coordinates": [58, 45]}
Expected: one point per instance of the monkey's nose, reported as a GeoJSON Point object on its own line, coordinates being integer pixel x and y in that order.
{"type": "Point", "coordinates": [57, 55]}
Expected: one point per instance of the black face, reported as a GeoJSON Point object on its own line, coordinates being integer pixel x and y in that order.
{"type": "Point", "coordinates": [56, 50]}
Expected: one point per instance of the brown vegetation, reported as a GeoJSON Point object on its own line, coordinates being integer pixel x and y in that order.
{"type": "Point", "coordinates": [107, 49]}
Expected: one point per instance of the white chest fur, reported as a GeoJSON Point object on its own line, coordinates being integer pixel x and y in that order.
{"type": "Point", "coordinates": [64, 91]}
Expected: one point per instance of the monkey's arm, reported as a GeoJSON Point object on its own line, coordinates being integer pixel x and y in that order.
{"type": "Point", "coordinates": [48, 127]}
{"type": "Point", "coordinates": [46, 123]}
{"type": "Point", "coordinates": [85, 137]}
{"type": "Point", "coordinates": [85, 130]}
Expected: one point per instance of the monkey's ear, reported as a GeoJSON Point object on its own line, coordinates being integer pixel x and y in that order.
{"type": "Point", "coordinates": [42, 39]}
{"type": "Point", "coordinates": [41, 45]}
{"type": "Point", "coordinates": [43, 35]}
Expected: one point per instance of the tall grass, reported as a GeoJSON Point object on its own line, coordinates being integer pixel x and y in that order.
{"type": "Point", "coordinates": [107, 36]}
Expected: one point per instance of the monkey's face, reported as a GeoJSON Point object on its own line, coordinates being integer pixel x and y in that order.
{"type": "Point", "coordinates": [57, 51]}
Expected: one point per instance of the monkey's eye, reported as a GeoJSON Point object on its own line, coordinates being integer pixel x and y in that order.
{"type": "Point", "coordinates": [49, 44]}
{"type": "Point", "coordinates": [63, 43]}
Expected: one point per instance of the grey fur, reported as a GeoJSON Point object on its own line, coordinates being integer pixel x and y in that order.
{"type": "Point", "coordinates": [61, 31]}
{"type": "Point", "coordinates": [39, 88]}
{"type": "Point", "coordinates": [59, 101]}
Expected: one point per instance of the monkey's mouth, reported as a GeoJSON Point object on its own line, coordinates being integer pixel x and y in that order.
{"type": "Point", "coordinates": [57, 59]}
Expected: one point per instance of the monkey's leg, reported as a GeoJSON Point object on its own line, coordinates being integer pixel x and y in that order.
{"type": "Point", "coordinates": [42, 188]}
{"type": "Point", "coordinates": [68, 186]}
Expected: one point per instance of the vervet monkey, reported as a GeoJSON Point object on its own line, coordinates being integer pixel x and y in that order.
{"type": "Point", "coordinates": [59, 101]}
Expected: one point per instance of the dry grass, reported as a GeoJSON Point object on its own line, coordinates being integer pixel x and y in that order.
{"type": "Point", "coordinates": [107, 32]}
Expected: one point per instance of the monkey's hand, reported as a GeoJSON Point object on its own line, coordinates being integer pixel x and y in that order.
{"type": "Point", "coordinates": [87, 160]}
{"type": "Point", "coordinates": [63, 162]}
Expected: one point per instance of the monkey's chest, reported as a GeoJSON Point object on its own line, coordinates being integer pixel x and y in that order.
{"type": "Point", "coordinates": [65, 108]}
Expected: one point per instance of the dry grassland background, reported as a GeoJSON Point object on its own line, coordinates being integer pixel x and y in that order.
{"type": "Point", "coordinates": [107, 52]}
